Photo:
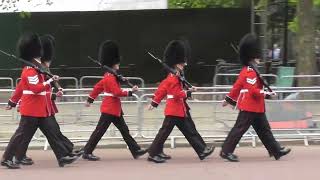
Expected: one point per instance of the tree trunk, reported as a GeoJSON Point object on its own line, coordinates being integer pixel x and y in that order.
{"type": "Point", "coordinates": [306, 60]}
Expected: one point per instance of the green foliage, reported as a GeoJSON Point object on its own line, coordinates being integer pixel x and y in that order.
{"type": "Point", "coordinates": [206, 3]}
{"type": "Point", "coordinates": [262, 4]}
{"type": "Point", "coordinates": [315, 2]}
{"type": "Point", "coordinates": [11, 6]}
{"type": "Point", "coordinates": [25, 14]}
{"type": "Point", "coordinates": [293, 25]}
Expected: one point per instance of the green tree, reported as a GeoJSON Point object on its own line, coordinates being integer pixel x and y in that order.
{"type": "Point", "coordinates": [306, 60]}
{"type": "Point", "coordinates": [293, 25]}
{"type": "Point", "coordinates": [208, 3]}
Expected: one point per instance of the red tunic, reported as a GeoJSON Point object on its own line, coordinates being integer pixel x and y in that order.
{"type": "Point", "coordinates": [172, 89]}
{"type": "Point", "coordinates": [247, 92]}
{"type": "Point", "coordinates": [34, 88]}
{"type": "Point", "coordinates": [17, 94]}
{"type": "Point", "coordinates": [111, 103]}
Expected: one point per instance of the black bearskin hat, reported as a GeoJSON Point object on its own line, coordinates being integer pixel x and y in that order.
{"type": "Point", "coordinates": [109, 53]}
{"type": "Point", "coordinates": [187, 50]}
{"type": "Point", "coordinates": [249, 48]}
{"type": "Point", "coordinates": [175, 53]}
{"type": "Point", "coordinates": [48, 43]}
{"type": "Point", "coordinates": [29, 46]}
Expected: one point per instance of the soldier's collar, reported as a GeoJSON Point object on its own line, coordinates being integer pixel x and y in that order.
{"type": "Point", "coordinates": [249, 68]}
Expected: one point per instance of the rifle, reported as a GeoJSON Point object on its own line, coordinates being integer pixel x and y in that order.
{"type": "Point", "coordinates": [235, 48]}
{"type": "Point", "coordinates": [173, 71]}
{"type": "Point", "coordinates": [55, 83]}
{"type": "Point", "coordinates": [112, 71]}
{"type": "Point", "coordinates": [265, 84]}
{"type": "Point", "coordinates": [40, 69]}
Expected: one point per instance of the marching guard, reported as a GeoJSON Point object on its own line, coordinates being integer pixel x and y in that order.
{"type": "Point", "coordinates": [111, 110]}
{"type": "Point", "coordinates": [176, 110]}
{"type": "Point", "coordinates": [35, 107]}
{"type": "Point", "coordinates": [248, 95]}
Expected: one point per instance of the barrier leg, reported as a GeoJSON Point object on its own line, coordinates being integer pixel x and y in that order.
{"type": "Point", "coordinates": [172, 142]}
{"type": "Point", "coordinates": [306, 142]}
{"type": "Point", "coordinates": [254, 141]}
{"type": "Point", "coordinates": [46, 144]}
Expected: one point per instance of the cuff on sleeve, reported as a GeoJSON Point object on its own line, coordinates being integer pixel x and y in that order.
{"type": "Point", "coordinates": [90, 100]}
{"type": "Point", "coordinates": [154, 104]}
{"type": "Point", "coordinates": [189, 93]}
{"type": "Point", "coordinates": [53, 97]}
{"type": "Point", "coordinates": [12, 104]}
{"type": "Point", "coordinates": [230, 101]}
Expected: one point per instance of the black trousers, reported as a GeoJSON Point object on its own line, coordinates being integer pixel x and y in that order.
{"type": "Point", "coordinates": [192, 125]}
{"type": "Point", "coordinates": [102, 126]}
{"type": "Point", "coordinates": [259, 123]}
{"type": "Point", "coordinates": [56, 134]}
{"type": "Point", "coordinates": [15, 140]}
{"type": "Point", "coordinates": [186, 126]}
{"type": "Point", "coordinates": [19, 142]}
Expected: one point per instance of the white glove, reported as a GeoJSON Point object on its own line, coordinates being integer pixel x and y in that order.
{"type": "Point", "coordinates": [270, 93]}
{"type": "Point", "coordinates": [55, 78]}
{"type": "Point", "coordinates": [135, 88]}
{"type": "Point", "coordinates": [150, 107]}
{"type": "Point", "coordinates": [59, 93]}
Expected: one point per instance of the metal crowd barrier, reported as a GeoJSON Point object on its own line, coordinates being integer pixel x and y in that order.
{"type": "Point", "coordinates": [61, 79]}
{"type": "Point", "coordinates": [8, 79]}
{"type": "Point", "coordinates": [11, 114]}
{"type": "Point", "coordinates": [146, 124]}
{"type": "Point", "coordinates": [142, 84]}
{"type": "Point", "coordinates": [300, 76]}
{"type": "Point", "coordinates": [78, 83]}
{"type": "Point", "coordinates": [215, 78]}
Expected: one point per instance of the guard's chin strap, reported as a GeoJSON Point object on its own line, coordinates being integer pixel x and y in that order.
{"type": "Point", "coordinates": [180, 71]}
{"type": "Point", "coordinates": [254, 65]}
{"type": "Point", "coordinates": [38, 60]}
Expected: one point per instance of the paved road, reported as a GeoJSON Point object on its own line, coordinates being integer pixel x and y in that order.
{"type": "Point", "coordinates": [302, 164]}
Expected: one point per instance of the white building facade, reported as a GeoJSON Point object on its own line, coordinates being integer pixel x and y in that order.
{"type": "Point", "coordinates": [82, 5]}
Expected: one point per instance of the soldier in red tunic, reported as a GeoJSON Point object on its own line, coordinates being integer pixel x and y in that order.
{"type": "Point", "coordinates": [248, 95]}
{"type": "Point", "coordinates": [48, 43]}
{"type": "Point", "coordinates": [46, 59]}
{"type": "Point", "coordinates": [13, 102]}
{"type": "Point", "coordinates": [176, 110]}
{"type": "Point", "coordinates": [111, 111]}
{"type": "Point", "coordinates": [34, 106]}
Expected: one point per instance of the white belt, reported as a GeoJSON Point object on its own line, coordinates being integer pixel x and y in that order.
{"type": "Point", "coordinates": [108, 94]}
{"type": "Point", "coordinates": [170, 96]}
{"type": "Point", "coordinates": [246, 90]}
{"type": "Point", "coordinates": [43, 93]}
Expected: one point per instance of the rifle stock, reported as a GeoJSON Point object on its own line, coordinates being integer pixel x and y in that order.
{"type": "Point", "coordinates": [261, 78]}
{"type": "Point", "coordinates": [173, 71]}
{"type": "Point", "coordinates": [38, 68]}
{"type": "Point", "coordinates": [236, 49]}
{"type": "Point", "coordinates": [110, 70]}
